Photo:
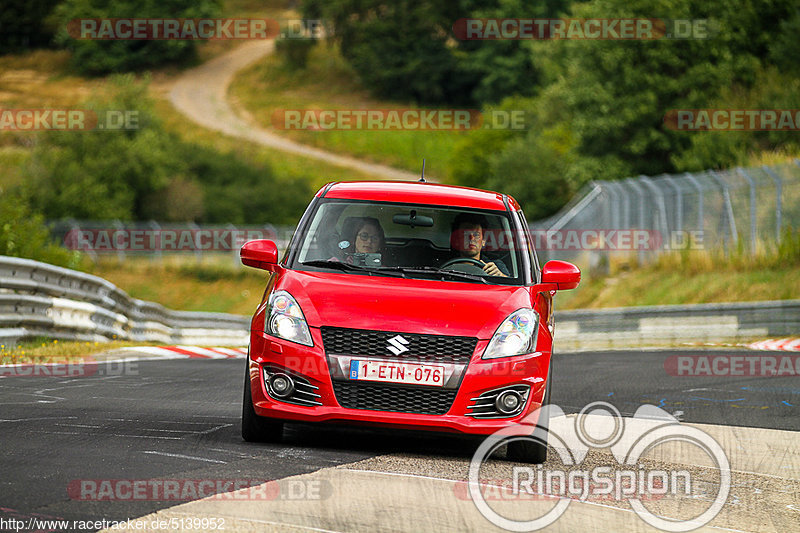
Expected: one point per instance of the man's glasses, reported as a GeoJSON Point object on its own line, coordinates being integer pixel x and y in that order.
{"type": "Point", "coordinates": [364, 236]}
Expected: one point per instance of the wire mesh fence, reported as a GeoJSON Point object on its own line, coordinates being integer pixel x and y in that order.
{"type": "Point", "coordinates": [741, 208]}
{"type": "Point", "coordinates": [744, 209]}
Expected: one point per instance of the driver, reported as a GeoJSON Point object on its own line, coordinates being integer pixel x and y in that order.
{"type": "Point", "coordinates": [468, 237]}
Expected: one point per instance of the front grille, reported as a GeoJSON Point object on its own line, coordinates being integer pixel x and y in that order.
{"type": "Point", "coordinates": [396, 399]}
{"type": "Point", "coordinates": [435, 348]}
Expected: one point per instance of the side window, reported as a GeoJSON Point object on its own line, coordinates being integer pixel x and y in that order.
{"type": "Point", "coordinates": [535, 271]}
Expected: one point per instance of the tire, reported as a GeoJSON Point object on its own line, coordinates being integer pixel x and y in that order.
{"type": "Point", "coordinates": [533, 450]}
{"type": "Point", "coordinates": [257, 428]}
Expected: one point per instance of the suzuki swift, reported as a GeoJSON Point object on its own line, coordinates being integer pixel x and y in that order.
{"type": "Point", "coordinates": [406, 305]}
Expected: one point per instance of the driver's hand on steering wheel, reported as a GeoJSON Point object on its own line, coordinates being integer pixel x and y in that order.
{"type": "Point", "coordinates": [491, 269]}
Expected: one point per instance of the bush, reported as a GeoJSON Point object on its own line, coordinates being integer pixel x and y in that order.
{"type": "Point", "coordinates": [148, 173]}
{"type": "Point", "coordinates": [23, 26]}
{"type": "Point", "coordinates": [294, 52]}
{"type": "Point", "coordinates": [24, 234]}
{"type": "Point", "coordinates": [103, 174]}
{"type": "Point", "coordinates": [97, 57]}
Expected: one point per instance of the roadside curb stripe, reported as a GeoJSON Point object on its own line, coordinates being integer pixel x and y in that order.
{"type": "Point", "coordinates": [791, 344]}
{"type": "Point", "coordinates": [190, 352]}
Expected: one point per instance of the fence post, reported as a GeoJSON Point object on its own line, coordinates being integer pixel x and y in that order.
{"type": "Point", "coordinates": [700, 216]}
{"type": "Point", "coordinates": [159, 241]}
{"type": "Point", "coordinates": [641, 194]}
{"type": "Point", "coordinates": [726, 196]}
{"type": "Point", "coordinates": [236, 243]}
{"type": "Point", "coordinates": [744, 173]}
{"type": "Point", "coordinates": [662, 207]}
{"type": "Point", "coordinates": [561, 222]}
{"type": "Point", "coordinates": [678, 200]}
{"type": "Point", "coordinates": [778, 196]}
{"type": "Point", "coordinates": [120, 252]}
{"type": "Point", "coordinates": [198, 254]}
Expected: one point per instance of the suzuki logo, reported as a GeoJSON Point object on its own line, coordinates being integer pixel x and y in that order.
{"type": "Point", "coordinates": [397, 345]}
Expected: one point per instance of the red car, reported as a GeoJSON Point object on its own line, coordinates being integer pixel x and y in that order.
{"type": "Point", "coordinates": [406, 305]}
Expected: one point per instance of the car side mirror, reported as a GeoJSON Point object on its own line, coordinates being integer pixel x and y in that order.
{"type": "Point", "coordinates": [261, 253]}
{"type": "Point", "coordinates": [562, 274]}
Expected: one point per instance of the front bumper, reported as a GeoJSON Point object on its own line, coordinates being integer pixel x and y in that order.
{"type": "Point", "coordinates": [478, 377]}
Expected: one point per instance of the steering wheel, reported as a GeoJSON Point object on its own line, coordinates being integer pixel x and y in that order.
{"type": "Point", "coordinates": [468, 260]}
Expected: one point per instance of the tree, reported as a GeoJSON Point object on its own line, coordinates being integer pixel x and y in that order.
{"type": "Point", "coordinates": [97, 57]}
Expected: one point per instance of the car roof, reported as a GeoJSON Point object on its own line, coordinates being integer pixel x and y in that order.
{"type": "Point", "coordinates": [418, 193]}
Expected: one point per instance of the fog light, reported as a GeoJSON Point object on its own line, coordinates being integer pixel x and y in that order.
{"type": "Point", "coordinates": [508, 402]}
{"type": "Point", "coordinates": [281, 385]}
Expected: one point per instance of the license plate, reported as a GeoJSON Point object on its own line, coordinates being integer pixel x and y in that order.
{"type": "Point", "coordinates": [389, 372]}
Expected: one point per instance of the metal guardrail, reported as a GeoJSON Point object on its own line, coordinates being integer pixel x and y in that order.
{"type": "Point", "coordinates": [667, 325]}
{"type": "Point", "coordinates": [41, 300]}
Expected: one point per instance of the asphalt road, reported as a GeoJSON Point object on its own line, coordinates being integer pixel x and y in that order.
{"type": "Point", "coordinates": [179, 419]}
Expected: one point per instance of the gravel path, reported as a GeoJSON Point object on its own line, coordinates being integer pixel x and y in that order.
{"type": "Point", "coordinates": [201, 95]}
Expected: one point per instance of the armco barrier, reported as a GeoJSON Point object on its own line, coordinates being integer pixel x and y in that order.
{"type": "Point", "coordinates": [666, 325]}
{"type": "Point", "coordinates": [41, 300]}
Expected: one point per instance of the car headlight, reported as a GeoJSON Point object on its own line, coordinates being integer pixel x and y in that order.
{"type": "Point", "coordinates": [285, 319]}
{"type": "Point", "coordinates": [515, 336]}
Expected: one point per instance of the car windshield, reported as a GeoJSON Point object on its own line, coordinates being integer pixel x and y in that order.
{"type": "Point", "coordinates": [412, 241]}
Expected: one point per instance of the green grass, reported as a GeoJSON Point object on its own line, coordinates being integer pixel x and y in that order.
{"type": "Point", "coordinates": [692, 278]}
{"type": "Point", "coordinates": [329, 83]}
{"type": "Point", "coordinates": [282, 164]}
{"type": "Point", "coordinates": [181, 283]}
{"type": "Point", "coordinates": [12, 159]}
{"type": "Point", "coordinates": [44, 350]}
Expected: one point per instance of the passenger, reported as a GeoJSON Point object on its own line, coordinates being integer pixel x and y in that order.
{"type": "Point", "coordinates": [363, 235]}
{"type": "Point", "coordinates": [468, 237]}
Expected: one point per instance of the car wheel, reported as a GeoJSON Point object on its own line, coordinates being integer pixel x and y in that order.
{"type": "Point", "coordinates": [257, 428]}
{"type": "Point", "coordinates": [534, 450]}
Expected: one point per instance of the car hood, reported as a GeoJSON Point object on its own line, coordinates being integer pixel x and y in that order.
{"type": "Point", "coordinates": [404, 305]}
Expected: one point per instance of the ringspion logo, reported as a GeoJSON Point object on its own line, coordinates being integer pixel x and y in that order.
{"type": "Point", "coordinates": [599, 425]}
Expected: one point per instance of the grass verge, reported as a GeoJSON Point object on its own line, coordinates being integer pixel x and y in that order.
{"type": "Point", "coordinates": [692, 278]}
{"type": "Point", "coordinates": [328, 82]}
{"type": "Point", "coordinates": [45, 350]}
{"type": "Point", "coordinates": [214, 285]}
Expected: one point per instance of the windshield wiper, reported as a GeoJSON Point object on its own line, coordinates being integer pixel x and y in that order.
{"type": "Point", "coordinates": [341, 265]}
{"type": "Point", "coordinates": [436, 271]}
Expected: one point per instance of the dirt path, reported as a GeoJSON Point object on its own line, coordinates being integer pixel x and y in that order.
{"type": "Point", "coordinates": [201, 95]}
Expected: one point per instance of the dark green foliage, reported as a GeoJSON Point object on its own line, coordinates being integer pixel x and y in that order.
{"type": "Point", "coordinates": [23, 25]}
{"type": "Point", "coordinates": [405, 50]}
{"type": "Point", "coordinates": [148, 173]}
{"type": "Point", "coordinates": [599, 112]}
{"type": "Point", "coordinates": [294, 51]}
{"type": "Point", "coordinates": [97, 57]}
{"type": "Point", "coordinates": [24, 234]}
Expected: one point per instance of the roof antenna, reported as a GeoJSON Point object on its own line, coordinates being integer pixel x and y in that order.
{"type": "Point", "coordinates": [422, 177]}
